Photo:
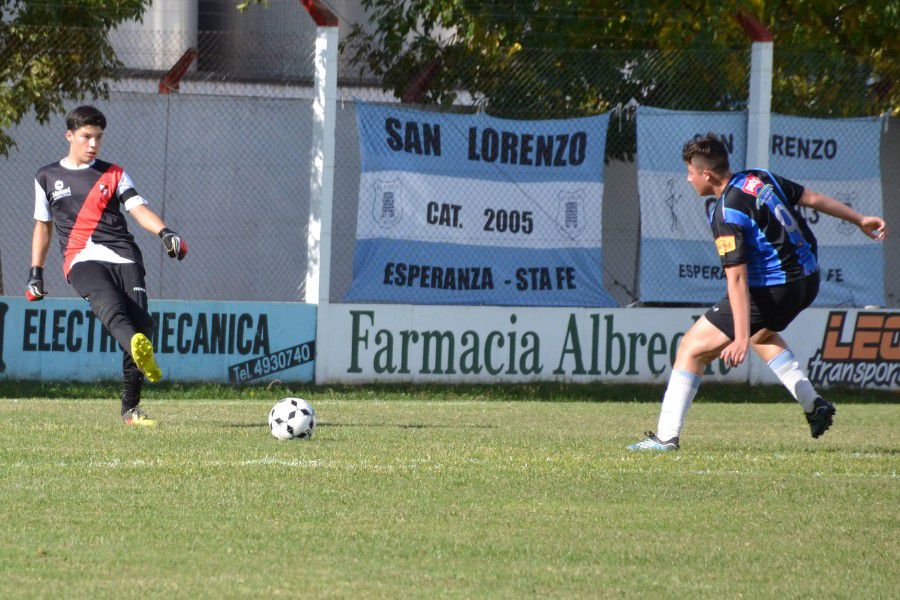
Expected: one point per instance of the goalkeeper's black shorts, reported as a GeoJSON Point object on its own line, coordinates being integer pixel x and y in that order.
{"type": "Point", "coordinates": [117, 295]}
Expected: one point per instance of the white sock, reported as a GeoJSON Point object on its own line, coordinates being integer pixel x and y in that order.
{"type": "Point", "coordinates": [787, 368]}
{"type": "Point", "coordinates": [679, 394]}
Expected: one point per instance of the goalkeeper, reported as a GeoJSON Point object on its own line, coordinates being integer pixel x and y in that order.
{"type": "Point", "coordinates": [83, 198]}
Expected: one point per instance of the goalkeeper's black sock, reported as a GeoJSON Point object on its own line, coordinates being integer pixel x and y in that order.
{"type": "Point", "coordinates": [131, 389]}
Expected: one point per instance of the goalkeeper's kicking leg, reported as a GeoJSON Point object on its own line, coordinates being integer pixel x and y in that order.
{"type": "Point", "coordinates": [136, 305]}
{"type": "Point", "coordinates": [118, 297]}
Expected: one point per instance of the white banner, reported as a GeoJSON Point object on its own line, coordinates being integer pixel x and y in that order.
{"type": "Point", "coordinates": [844, 347]}
{"type": "Point", "coordinates": [415, 214]}
{"type": "Point", "coordinates": [442, 344]}
{"type": "Point", "coordinates": [491, 344]}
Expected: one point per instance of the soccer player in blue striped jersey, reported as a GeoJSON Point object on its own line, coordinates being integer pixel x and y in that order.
{"type": "Point", "coordinates": [772, 272]}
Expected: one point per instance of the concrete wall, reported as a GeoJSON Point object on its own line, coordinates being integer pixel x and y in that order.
{"type": "Point", "coordinates": [231, 174]}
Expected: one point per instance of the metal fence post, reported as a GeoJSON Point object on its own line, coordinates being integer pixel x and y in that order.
{"type": "Point", "coordinates": [759, 103]}
{"type": "Point", "coordinates": [322, 173]}
{"type": "Point", "coordinates": [324, 108]}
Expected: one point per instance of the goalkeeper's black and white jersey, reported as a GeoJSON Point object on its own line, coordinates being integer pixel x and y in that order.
{"type": "Point", "coordinates": [85, 205]}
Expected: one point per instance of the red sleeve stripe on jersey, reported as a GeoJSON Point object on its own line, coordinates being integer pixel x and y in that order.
{"type": "Point", "coordinates": [89, 215]}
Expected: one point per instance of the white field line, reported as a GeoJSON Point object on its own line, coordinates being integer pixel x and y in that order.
{"type": "Point", "coordinates": [315, 402]}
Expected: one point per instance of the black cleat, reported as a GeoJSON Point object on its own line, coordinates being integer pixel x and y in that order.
{"type": "Point", "coordinates": [821, 417]}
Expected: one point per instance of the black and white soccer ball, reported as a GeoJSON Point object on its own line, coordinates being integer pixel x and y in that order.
{"type": "Point", "coordinates": [292, 418]}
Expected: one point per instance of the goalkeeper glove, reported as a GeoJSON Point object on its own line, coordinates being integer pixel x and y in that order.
{"type": "Point", "coordinates": [34, 290]}
{"type": "Point", "coordinates": [174, 245]}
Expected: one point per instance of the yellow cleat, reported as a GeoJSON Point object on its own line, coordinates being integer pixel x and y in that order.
{"type": "Point", "coordinates": [138, 418]}
{"type": "Point", "coordinates": [142, 353]}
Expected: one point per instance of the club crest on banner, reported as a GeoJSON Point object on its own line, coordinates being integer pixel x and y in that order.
{"type": "Point", "coordinates": [387, 206]}
{"type": "Point", "coordinates": [570, 212]}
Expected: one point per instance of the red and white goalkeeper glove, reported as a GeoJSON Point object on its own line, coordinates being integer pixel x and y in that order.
{"type": "Point", "coordinates": [174, 245]}
{"type": "Point", "coordinates": [34, 289]}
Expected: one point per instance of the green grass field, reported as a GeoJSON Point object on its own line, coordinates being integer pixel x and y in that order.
{"type": "Point", "coordinates": [445, 492]}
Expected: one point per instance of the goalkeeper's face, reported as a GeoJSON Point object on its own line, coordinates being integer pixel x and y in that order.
{"type": "Point", "coordinates": [84, 143]}
{"type": "Point", "coordinates": [700, 178]}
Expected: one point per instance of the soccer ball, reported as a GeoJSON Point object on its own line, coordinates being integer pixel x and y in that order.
{"type": "Point", "coordinates": [292, 418]}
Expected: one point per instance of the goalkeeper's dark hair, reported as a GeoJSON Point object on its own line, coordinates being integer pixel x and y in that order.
{"type": "Point", "coordinates": [85, 115]}
{"type": "Point", "coordinates": [709, 149]}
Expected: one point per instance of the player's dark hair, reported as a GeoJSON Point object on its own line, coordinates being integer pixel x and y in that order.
{"type": "Point", "coordinates": [710, 149]}
{"type": "Point", "coordinates": [85, 115]}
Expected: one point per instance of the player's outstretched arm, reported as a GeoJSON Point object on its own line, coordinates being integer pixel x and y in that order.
{"type": "Point", "coordinates": [175, 246]}
{"type": "Point", "coordinates": [874, 227]}
{"type": "Point", "coordinates": [40, 245]}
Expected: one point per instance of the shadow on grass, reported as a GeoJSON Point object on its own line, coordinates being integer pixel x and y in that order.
{"type": "Point", "coordinates": [541, 391]}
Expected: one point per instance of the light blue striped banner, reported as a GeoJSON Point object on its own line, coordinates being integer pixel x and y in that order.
{"type": "Point", "coordinates": [837, 157]}
{"type": "Point", "coordinates": [471, 209]}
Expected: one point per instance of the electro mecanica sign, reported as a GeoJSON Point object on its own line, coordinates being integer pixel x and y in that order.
{"type": "Point", "coordinates": [237, 342]}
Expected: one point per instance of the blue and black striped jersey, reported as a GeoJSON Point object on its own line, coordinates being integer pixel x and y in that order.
{"type": "Point", "coordinates": [757, 221]}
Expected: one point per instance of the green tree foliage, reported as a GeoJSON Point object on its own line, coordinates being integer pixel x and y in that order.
{"type": "Point", "coordinates": [837, 58]}
{"type": "Point", "coordinates": [53, 50]}
{"type": "Point", "coordinates": [545, 58]}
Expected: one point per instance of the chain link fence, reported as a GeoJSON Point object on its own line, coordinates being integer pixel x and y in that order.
{"type": "Point", "coordinates": [226, 162]}
{"type": "Point", "coordinates": [651, 242]}
{"type": "Point", "coordinates": [520, 223]}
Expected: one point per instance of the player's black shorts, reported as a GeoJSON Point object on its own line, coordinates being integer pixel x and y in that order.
{"type": "Point", "coordinates": [117, 295]}
{"type": "Point", "coordinates": [771, 308]}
